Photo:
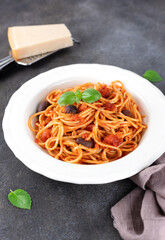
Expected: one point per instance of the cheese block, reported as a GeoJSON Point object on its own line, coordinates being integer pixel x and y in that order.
{"type": "Point", "coordinates": [26, 41]}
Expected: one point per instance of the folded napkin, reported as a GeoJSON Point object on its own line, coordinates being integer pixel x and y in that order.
{"type": "Point", "coordinates": [141, 214]}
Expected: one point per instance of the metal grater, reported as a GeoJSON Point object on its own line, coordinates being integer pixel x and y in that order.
{"type": "Point", "coordinates": [26, 61]}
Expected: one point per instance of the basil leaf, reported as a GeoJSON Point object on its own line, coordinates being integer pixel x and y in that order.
{"type": "Point", "coordinates": [67, 98]}
{"type": "Point", "coordinates": [78, 96]}
{"type": "Point", "coordinates": [20, 198]}
{"type": "Point", "coordinates": [91, 95]}
{"type": "Point", "coordinates": [152, 76]}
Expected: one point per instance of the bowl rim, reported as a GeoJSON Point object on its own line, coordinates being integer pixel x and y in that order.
{"type": "Point", "coordinates": [70, 175]}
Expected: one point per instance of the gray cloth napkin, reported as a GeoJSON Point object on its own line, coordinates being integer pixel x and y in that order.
{"type": "Point", "coordinates": [141, 214]}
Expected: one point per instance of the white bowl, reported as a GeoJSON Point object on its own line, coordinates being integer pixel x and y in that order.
{"type": "Point", "coordinates": [23, 104]}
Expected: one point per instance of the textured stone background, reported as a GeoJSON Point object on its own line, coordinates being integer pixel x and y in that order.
{"type": "Point", "coordinates": [126, 33]}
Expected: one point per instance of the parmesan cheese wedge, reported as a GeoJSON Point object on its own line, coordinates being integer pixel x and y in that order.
{"type": "Point", "coordinates": [26, 41]}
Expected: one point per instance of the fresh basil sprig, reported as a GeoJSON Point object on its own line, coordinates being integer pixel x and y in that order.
{"type": "Point", "coordinates": [89, 95]}
{"type": "Point", "coordinates": [152, 76]}
{"type": "Point", "coordinates": [20, 198]}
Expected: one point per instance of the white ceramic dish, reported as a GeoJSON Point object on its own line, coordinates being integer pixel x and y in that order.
{"type": "Point", "coordinates": [24, 101]}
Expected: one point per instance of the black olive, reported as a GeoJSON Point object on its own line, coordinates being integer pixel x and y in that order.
{"type": "Point", "coordinates": [42, 105]}
{"type": "Point", "coordinates": [89, 144]}
{"type": "Point", "coordinates": [71, 109]}
{"type": "Point", "coordinates": [127, 113]}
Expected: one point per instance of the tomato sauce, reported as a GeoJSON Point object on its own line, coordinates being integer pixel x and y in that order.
{"type": "Point", "coordinates": [105, 91]}
{"type": "Point", "coordinates": [113, 140]}
{"type": "Point", "coordinates": [45, 135]}
{"type": "Point", "coordinates": [110, 106]}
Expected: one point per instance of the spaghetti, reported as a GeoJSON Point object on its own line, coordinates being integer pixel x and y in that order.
{"type": "Point", "coordinates": [100, 132]}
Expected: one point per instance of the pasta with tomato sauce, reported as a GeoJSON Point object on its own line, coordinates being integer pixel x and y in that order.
{"type": "Point", "coordinates": [89, 133]}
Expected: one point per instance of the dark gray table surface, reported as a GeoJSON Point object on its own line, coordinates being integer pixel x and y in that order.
{"type": "Point", "coordinates": [126, 33]}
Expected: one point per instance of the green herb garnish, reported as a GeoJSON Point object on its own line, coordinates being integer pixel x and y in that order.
{"type": "Point", "coordinates": [20, 198]}
{"type": "Point", "coordinates": [67, 98]}
{"type": "Point", "coordinates": [78, 96]}
{"type": "Point", "coordinates": [152, 76]}
{"type": "Point", "coordinates": [89, 95]}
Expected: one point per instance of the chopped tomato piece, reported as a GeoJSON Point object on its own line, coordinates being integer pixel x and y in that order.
{"type": "Point", "coordinates": [90, 127]}
{"type": "Point", "coordinates": [113, 140]}
{"type": "Point", "coordinates": [82, 107]}
{"type": "Point", "coordinates": [105, 91]}
{"type": "Point", "coordinates": [74, 117]}
{"type": "Point", "coordinates": [45, 135]}
{"type": "Point", "coordinates": [110, 106]}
